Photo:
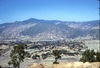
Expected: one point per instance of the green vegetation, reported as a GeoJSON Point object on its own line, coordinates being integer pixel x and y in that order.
{"type": "Point", "coordinates": [57, 54]}
{"type": "Point", "coordinates": [90, 56]}
{"type": "Point", "coordinates": [17, 56]}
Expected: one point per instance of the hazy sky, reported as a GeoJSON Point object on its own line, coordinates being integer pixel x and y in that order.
{"type": "Point", "coordinates": [65, 10]}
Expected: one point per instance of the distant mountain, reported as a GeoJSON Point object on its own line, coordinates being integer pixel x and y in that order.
{"type": "Point", "coordinates": [36, 29]}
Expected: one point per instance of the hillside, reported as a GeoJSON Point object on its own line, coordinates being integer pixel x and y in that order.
{"type": "Point", "coordinates": [36, 29]}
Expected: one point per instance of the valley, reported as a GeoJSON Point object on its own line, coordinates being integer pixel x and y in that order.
{"type": "Point", "coordinates": [71, 51]}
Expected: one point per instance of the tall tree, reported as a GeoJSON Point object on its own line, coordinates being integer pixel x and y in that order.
{"type": "Point", "coordinates": [17, 56]}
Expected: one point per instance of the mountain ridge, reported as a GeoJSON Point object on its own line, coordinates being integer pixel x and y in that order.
{"type": "Point", "coordinates": [38, 29]}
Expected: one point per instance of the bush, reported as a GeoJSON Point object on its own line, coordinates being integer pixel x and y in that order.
{"type": "Point", "coordinates": [44, 56]}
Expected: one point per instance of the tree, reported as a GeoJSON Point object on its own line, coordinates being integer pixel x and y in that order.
{"type": "Point", "coordinates": [57, 54]}
{"type": "Point", "coordinates": [17, 56]}
{"type": "Point", "coordinates": [97, 56]}
{"type": "Point", "coordinates": [92, 56]}
{"type": "Point", "coordinates": [88, 56]}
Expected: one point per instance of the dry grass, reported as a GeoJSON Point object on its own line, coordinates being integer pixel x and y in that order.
{"type": "Point", "coordinates": [67, 65]}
